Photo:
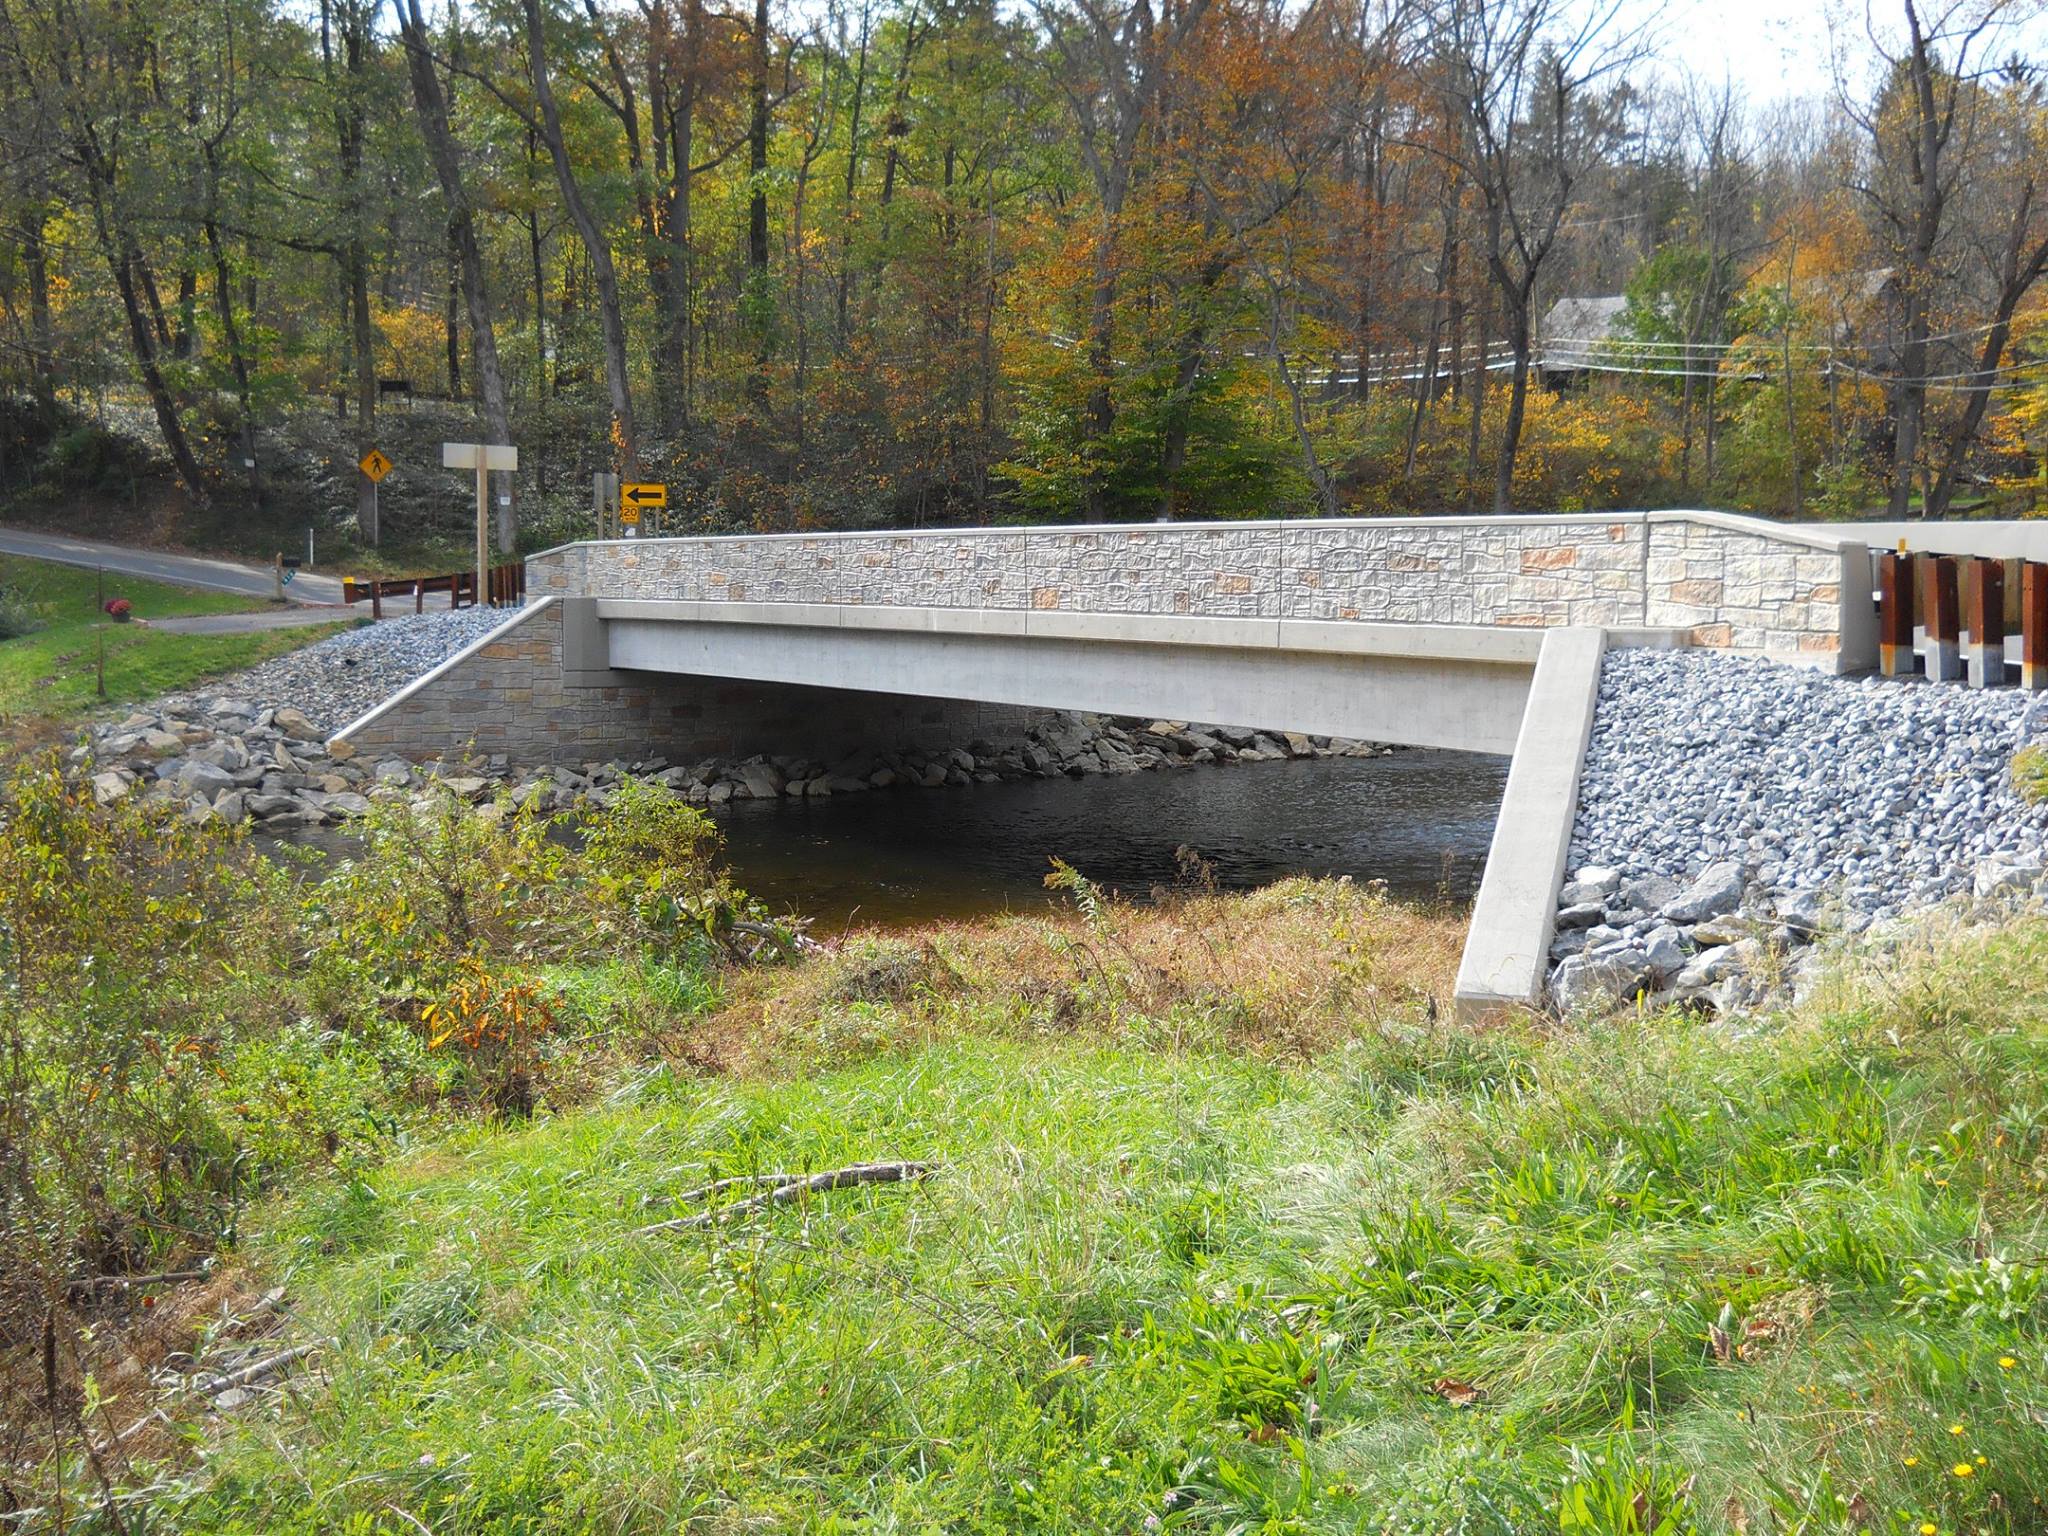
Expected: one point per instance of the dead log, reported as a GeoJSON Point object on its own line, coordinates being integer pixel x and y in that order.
{"type": "Point", "coordinates": [789, 1189]}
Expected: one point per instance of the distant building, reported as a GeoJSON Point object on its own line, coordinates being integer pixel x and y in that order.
{"type": "Point", "coordinates": [1574, 333]}
{"type": "Point", "coordinates": [1860, 315]}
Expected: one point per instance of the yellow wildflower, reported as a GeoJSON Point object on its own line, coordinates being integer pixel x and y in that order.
{"type": "Point", "coordinates": [1927, 1528]}
{"type": "Point", "coordinates": [1955, 1429]}
{"type": "Point", "coordinates": [1963, 1469]}
{"type": "Point", "coordinates": [2006, 1362]}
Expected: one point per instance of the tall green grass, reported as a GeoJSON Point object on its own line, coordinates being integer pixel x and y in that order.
{"type": "Point", "coordinates": [1652, 1275]}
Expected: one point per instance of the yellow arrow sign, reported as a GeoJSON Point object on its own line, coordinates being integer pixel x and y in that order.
{"type": "Point", "coordinates": [642, 493]}
{"type": "Point", "coordinates": [375, 465]}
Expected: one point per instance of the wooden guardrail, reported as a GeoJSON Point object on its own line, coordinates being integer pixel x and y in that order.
{"type": "Point", "coordinates": [1927, 604]}
{"type": "Point", "coordinates": [507, 584]}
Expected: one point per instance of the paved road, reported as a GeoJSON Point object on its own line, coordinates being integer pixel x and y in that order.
{"type": "Point", "coordinates": [186, 570]}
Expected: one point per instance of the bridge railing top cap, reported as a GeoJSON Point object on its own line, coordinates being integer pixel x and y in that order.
{"type": "Point", "coordinates": [1811, 535]}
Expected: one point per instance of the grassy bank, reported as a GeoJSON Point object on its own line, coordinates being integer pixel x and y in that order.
{"type": "Point", "coordinates": [1222, 1224]}
{"type": "Point", "coordinates": [51, 626]}
{"type": "Point", "coordinates": [1650, 1277]}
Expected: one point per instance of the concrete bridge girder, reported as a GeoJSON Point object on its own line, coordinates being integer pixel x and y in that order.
{"type": "Point", "coordinates": [1459, 687]}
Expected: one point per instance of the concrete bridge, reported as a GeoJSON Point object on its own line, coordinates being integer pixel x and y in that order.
{"type": "Point", "coordinates": [1480, 634]}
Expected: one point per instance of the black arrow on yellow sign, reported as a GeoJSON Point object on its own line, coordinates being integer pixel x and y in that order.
{"type": "Point", "coordinates": [643, 494]}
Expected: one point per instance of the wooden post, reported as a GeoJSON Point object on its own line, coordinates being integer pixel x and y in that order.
{"type": "Point", "coordinates": [1944, 649]}
{"type": "Point", "coordinates": [419, 594]}
{"type": "Point", "coordinates": [483, 458]}
{"type": "Point", "coordinates": [377, 598]}
{"type": "Point", "coordinates": [1895, 614]}
{"type": "Point", "coordinates": [2034, 626]}
{"type": "Point", "coordinates": [1987, 625]}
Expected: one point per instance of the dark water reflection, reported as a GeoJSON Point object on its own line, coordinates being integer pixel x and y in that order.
{"type": "Point", "coordinates": [1421, 821]}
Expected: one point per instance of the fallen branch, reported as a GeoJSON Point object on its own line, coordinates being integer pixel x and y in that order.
{"type": "Point", "coordinates": [256, 1372]}
{"type": "Point", "coordinates": [793, 1189]}
{"type": "Point", "coordinates": [241, 1377]}
{"type": "Point", "coordinates": [720, 1186]}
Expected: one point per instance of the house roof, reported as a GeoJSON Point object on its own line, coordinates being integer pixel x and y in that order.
{"type": "Point", "coordinates": [1571, 334]}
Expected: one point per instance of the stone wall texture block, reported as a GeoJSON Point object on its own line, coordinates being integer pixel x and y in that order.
{"type": "Point", "coordinates": [1592, 570]}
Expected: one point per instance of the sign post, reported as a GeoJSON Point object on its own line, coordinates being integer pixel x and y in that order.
{"type": "Point", "coordinates": [637, 495]}
{"type": "Point", "coordinates": [375, 466]}
{"type": "Point", "coordinates": [483, 458]}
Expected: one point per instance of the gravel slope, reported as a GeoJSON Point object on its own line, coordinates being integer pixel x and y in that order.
{"type": "Point", "coordinates": [1886, 793]}
{"type": "Point", "coordinates": [347, 675]}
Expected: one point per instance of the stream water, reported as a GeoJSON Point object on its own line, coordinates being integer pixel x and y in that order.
{"type": "Point", "coordinates": [1419, 820]}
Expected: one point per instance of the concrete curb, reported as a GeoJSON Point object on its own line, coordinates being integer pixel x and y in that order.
{"type": "Point", "coordinates": [530, 611]}
{"type": "Point", "coordinates": [1507, 948]}
{"type": "Point", "coordinates": [1807, 535]}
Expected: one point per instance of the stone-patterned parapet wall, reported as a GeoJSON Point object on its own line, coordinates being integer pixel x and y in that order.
{"type": "Point", "coordinates": [1749, 592]}
{"type": "Point", "coordinates": [1733, 581]}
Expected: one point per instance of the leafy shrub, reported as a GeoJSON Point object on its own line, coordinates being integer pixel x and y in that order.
{"type": "Point", "coordinates": [91, 457]}
{"type": "Point", "coordinates": [17, 616]}
{"type": "Point", "coordinates": [498, 1023]}
{"type": "Point", "coordinates": [111, 1144]}
{"type": "Point", "coordinates": [655, 857]}
{"type": "Point", "coordinates": [437, 884]}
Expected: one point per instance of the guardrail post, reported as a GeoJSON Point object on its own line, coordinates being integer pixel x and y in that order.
{"type": "Point", "coordinates": [2033, 626]}
{"type": "Point", "coordinates": [1895, 614]}
{"type": "Point", "coordinates": [1987, 625]}
{"type": "Point", "coordinates": [1944, 648]}
{"type": "Point", "coordinates": [377, 598]}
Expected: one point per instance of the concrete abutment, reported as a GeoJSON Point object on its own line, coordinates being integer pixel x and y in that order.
{"type": "Point", "coordinates": [530, 692]}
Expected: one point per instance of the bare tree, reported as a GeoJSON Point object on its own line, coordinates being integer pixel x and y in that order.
{"type": "Point", "coordinates": [348, 96]}
{"type": "Point", "coordinates": [430, 106]}
{"type": "Point", "coordinates": [1526, 74]}
{"type": "Point", "coordinates": [1923, 140]}
{"type": "Point", "coordinates": [611, 320]}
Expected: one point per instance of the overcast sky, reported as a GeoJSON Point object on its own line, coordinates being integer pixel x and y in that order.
{"type": "Point", "coordinates": [1771, 49]}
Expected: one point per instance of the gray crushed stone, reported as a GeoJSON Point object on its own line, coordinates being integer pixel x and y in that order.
{"type": "Point", "coordinates": [347, 675]}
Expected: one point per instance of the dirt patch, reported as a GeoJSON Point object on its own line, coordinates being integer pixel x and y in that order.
{"type": "Point", "coordinates": [122, 1341]}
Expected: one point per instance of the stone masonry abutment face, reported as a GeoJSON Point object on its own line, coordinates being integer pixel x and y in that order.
{"type": "Point", "coordinates": [511, 696]}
